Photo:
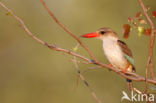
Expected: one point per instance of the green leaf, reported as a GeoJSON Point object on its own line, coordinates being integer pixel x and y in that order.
{"type": "Point", "coordinates": [140, 30]}
{"type": "Point", "coordinates": [8, 13]}
{"type": "Point", "coordinates": [75, 49]}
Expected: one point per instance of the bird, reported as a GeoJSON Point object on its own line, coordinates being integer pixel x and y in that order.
{"type": "Point", "coordinates": [115, 50]}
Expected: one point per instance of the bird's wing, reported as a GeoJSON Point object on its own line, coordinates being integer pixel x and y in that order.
{"type": "Point", "coordinates": [127, 52]}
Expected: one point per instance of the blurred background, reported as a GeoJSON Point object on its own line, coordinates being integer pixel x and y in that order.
{"type": "Point", "coordinates": [32, 73]}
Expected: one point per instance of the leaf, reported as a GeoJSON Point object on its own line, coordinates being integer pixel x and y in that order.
{"type": "Point", "coordinates": [75, 49]}
{"type": "Point", "coordinates": [130, 19]}
{"type": "Point", "coordinates": [147, 7]}
{"type": "Point", "coordinates": [154, 14]}
{"type": "Point", "coordinates": [138, 14]}
{"type": "Point", "coordinates": [8, 13]}
{"type": "Point", "coordinates": [135, 24]}
{"type": "Point", "coordinates": [142, 21]}
{"type": "Point", "coordinates": [147, 31]}
{"type": "Point", "coordinates": [126, 30]}
{"type": "Point", "coordinates": [140, 30]}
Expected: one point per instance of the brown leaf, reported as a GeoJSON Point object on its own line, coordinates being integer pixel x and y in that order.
{"type": "Point", "coordinates": [130, 19]}
{"type": "Point", "coordinates": [147, 31]}
{"type": "Point", "coordinates": [138, 14]}
{"type": "Point", "coordinates": [142, 21]}
{"type": "Point", "coordinates": [126, 30]}
{"type": "Point", "coordinates": [154, 13]}
{"type": "Point", "coordinates": [147, 7]}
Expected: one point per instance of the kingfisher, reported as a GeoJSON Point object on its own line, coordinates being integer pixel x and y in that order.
{"type": "Point", "coordinates": [115, 50]}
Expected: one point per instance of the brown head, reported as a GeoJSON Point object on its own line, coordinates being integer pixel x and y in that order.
{"type": "Point", "coordinates": [103, 33]}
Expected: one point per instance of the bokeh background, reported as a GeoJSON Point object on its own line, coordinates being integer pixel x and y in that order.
{"type": "Point", "coordinates": [32, 73]}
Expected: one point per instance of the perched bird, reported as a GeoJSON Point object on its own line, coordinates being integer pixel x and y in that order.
{"type": "Point", "coordinates": [115, 50]}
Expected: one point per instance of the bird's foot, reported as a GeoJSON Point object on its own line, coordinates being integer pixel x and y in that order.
{"type": "Point", "coordinates": [125, 70]}
{"type": "Point", "coordinates": [110, 65]}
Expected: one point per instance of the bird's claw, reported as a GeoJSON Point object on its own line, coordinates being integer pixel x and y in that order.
{"type": "Point", "coordinates": [124, 71]}
{"type": "Point", "coordinates": [110, 65]}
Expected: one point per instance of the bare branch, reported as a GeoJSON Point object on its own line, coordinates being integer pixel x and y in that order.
{"type": "Point", "coordinates": [132, 76]}
{"type": "Point", "coordinates": [85, 82]}
{"type": "Point", "coordinates": [67, 30]}
{"type": "Point", "coordinates": [75, 37]}
{"type": "Point", "coordinates": [152, 39]}
{"type": "Point", "coordinates": [54, 47]}
{"type": "Point", "coordinates": [146, 76]}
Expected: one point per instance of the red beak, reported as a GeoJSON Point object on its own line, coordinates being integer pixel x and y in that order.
{"type": "Point", "coordinates": [90, 35]}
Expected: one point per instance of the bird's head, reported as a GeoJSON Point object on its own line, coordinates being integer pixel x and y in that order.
{"type": "Point", "coordinates": [103, 34]}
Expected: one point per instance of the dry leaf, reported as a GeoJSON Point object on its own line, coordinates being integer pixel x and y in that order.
{"type": "Point", "coordinates": [130, 19]}
{"type": "Point", "coordinates": [138, 14]}
{"type": "Point", "coordinates": [126, 30]}
{"type": "Point", "coordinates": [142, 21]}
{"type": "Point", "coordinates": [147, 7]}
{"type": "Point", "coordinates": [154, 13]}
{"type": "Point", "coordinates": [147, 31]}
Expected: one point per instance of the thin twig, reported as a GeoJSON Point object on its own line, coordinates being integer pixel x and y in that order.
{"type": "Point", "coordinates": [67, 30]}
{"type": "Point", "coordinates": [146, 76]}
{"type": "Point", "coordinates": [85, 82]}
{"type": "Point", "coordinates": [152, 39]}
{"type": "Point", "coordinates": [83, 62]}
{"type": "Point", "coordinates": [138, 91]}
{"type": "Point", "coordinates": [90, 68]}
{"type": "Point", "coordinates": [80, 75]}
{"type": "Point", "coordinates": [54, 47]}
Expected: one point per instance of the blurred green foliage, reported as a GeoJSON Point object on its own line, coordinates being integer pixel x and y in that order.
{"type": "Point", "coordinates": [32, 73]}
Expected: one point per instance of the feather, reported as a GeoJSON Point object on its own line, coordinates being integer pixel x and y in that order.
{"type": "Point", "coordinates": [127, 52]}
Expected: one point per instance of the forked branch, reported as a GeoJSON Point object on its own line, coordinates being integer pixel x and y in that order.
{"type": "Point", "coordinates": [150, 61]}
{"type": "Point", "coordinates": [132, 76]}
{"type": "Point", "coordinates": [67, 30]}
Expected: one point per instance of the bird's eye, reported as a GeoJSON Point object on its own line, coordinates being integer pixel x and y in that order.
{"type": "Point", "coordinates": [102, 32]}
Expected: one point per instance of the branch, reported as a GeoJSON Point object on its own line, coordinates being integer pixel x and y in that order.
{"type": "Point", "coordinates": [85, 82]}
{"type": "Point", "coordinates": [131, 76]}
{"type": "Point", "coordinates": [152, 39]}
{"type": "Point", "coordinates": [54, 47]}
{"type": "Point", "coordinates": [146, 76]}
{"type": "Point", "coordinates": [75, 37]}
{"type": "Point", "coordinates": [67, 30]}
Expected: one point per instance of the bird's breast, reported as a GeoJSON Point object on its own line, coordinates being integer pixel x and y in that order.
{"type": "Point", "coordinates": [114, 54]}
